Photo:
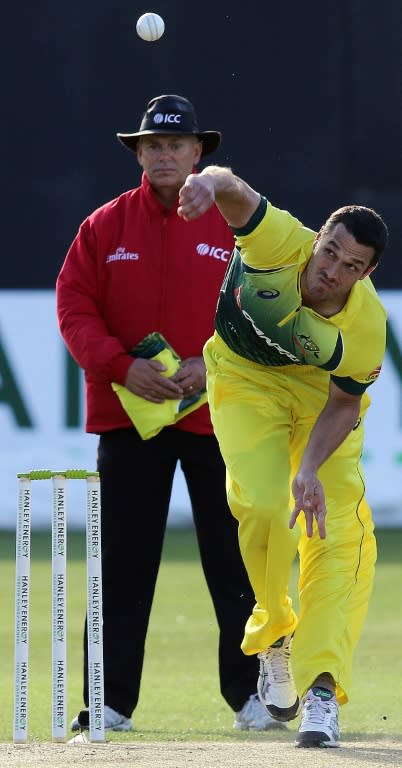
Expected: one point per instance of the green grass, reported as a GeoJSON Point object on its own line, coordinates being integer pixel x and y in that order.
{"type": "Point", "coordinates": [180, 698]}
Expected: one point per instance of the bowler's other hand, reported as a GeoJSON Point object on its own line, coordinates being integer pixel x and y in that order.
{"type": "Point", "coordinates": [309, 496]}
{"type": "Point", "coordinates": [144, 378]}
{"type": "Point", "coordinates": [196, 196]}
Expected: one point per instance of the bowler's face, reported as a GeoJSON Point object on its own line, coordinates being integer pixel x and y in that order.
{"type": "Point", "coordinates": [168, 160]}
{"type": "Point", "coordinates": [337, 263]}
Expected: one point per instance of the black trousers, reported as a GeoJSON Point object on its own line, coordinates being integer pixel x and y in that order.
{"type": "Point", "coordinates": [136, 482]}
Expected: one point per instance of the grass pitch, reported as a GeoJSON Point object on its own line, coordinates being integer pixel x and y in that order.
{"type": "Point", "coordinates": [180, 698]}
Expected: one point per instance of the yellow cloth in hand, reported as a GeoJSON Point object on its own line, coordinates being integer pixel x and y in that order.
{"type": "Point", "coordinates": [149, 418]}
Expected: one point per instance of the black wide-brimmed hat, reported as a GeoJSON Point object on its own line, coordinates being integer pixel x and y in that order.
{"type": "Point", "coordinates": [171, 115]}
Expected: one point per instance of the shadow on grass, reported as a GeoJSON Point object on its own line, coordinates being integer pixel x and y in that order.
{"type": "Point", "coordinates": [378, 755]}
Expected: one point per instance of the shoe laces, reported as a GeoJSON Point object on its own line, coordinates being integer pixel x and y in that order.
{"type": "Point", "coordinates": [277, 661]}
{"type": "Point", "coordinates": [316, 710]}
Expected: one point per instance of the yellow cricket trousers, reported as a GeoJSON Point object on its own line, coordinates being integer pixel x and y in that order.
{"type": "Point", "coordinates": [262, 418]}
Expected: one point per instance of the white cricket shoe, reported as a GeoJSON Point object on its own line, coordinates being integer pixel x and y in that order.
{"type": "Point", "coordinates": [114, 721]}
{"type": "Point", "coordinates": [275, 686]}
{"type": "Point", "coordinates": [254, 717]}
{"type": "Point", "coordinates": [319, 724]}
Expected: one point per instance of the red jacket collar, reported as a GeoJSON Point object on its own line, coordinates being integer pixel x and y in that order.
{"type": "Point", "coordinates": [151, 197]}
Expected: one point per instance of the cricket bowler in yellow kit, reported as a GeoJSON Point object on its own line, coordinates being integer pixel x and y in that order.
{"type": "Point", "coordinates": [300, 335]}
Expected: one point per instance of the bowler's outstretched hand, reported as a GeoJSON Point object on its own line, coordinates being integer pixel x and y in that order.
{"type": "Point", "coordinates": [196, 196]}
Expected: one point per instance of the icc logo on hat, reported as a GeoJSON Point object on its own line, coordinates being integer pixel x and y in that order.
{"type": "Point", "coordinates": [159, 118]}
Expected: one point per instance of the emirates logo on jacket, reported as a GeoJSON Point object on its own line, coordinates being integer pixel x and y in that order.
{"type": "Point", "coordinates": [121, 254]}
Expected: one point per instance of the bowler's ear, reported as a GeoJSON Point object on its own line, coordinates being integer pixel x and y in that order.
{"type": "Point", "coordinates": [317, 239]}
{"type": "Point", "coordinates": [368, 271]}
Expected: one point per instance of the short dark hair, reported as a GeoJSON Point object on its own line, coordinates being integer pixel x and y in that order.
{"type": "Point", "coordinates": [366, 226]}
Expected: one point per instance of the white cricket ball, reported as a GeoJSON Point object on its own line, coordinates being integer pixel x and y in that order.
{"type": "Point", "coordinates": [150, 27]}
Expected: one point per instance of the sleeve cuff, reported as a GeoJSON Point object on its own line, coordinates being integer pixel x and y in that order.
{"type": "Point", "coordinates": [119, 368]}
{"type": "Point", "coordinates": [257, 216]}
{"type": "Point", "coordinates": [351, 386]}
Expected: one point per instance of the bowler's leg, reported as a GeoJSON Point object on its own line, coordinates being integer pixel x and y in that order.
{"type": "Point", "coordinates": [336, 575]}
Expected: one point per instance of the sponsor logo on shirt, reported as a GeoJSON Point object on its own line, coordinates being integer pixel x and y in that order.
{"type": "Point", "coordinates": [374, 374]}
{"type": "Point", "coordinates": [268, 294]}
{"type": "Point", "coordinates": [269, 341]}
{"type": "Point", "coordinates": [203, 249]}
{"type": "Point", "coordinates": [121, 254]}
{"type": "Point", "coordinates": [306, 343]}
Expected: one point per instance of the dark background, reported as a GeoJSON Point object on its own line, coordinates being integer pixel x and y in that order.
{"type": "Point", "coordinates": [308, 97]}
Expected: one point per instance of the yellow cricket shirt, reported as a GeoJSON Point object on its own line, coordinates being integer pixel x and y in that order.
{"type": "Point", "coordinates": [260, 314]}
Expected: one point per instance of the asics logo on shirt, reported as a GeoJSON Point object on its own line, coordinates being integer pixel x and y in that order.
{"type": "Point", "coordinates": [268, 294]}
{"type": "Point", "coordinates": [213, 250]}
{"type": "Point", "coordinates": [121, 254]}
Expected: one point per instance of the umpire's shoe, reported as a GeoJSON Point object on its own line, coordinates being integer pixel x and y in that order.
{"type": "Point", "coordinates": [114, 721]}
